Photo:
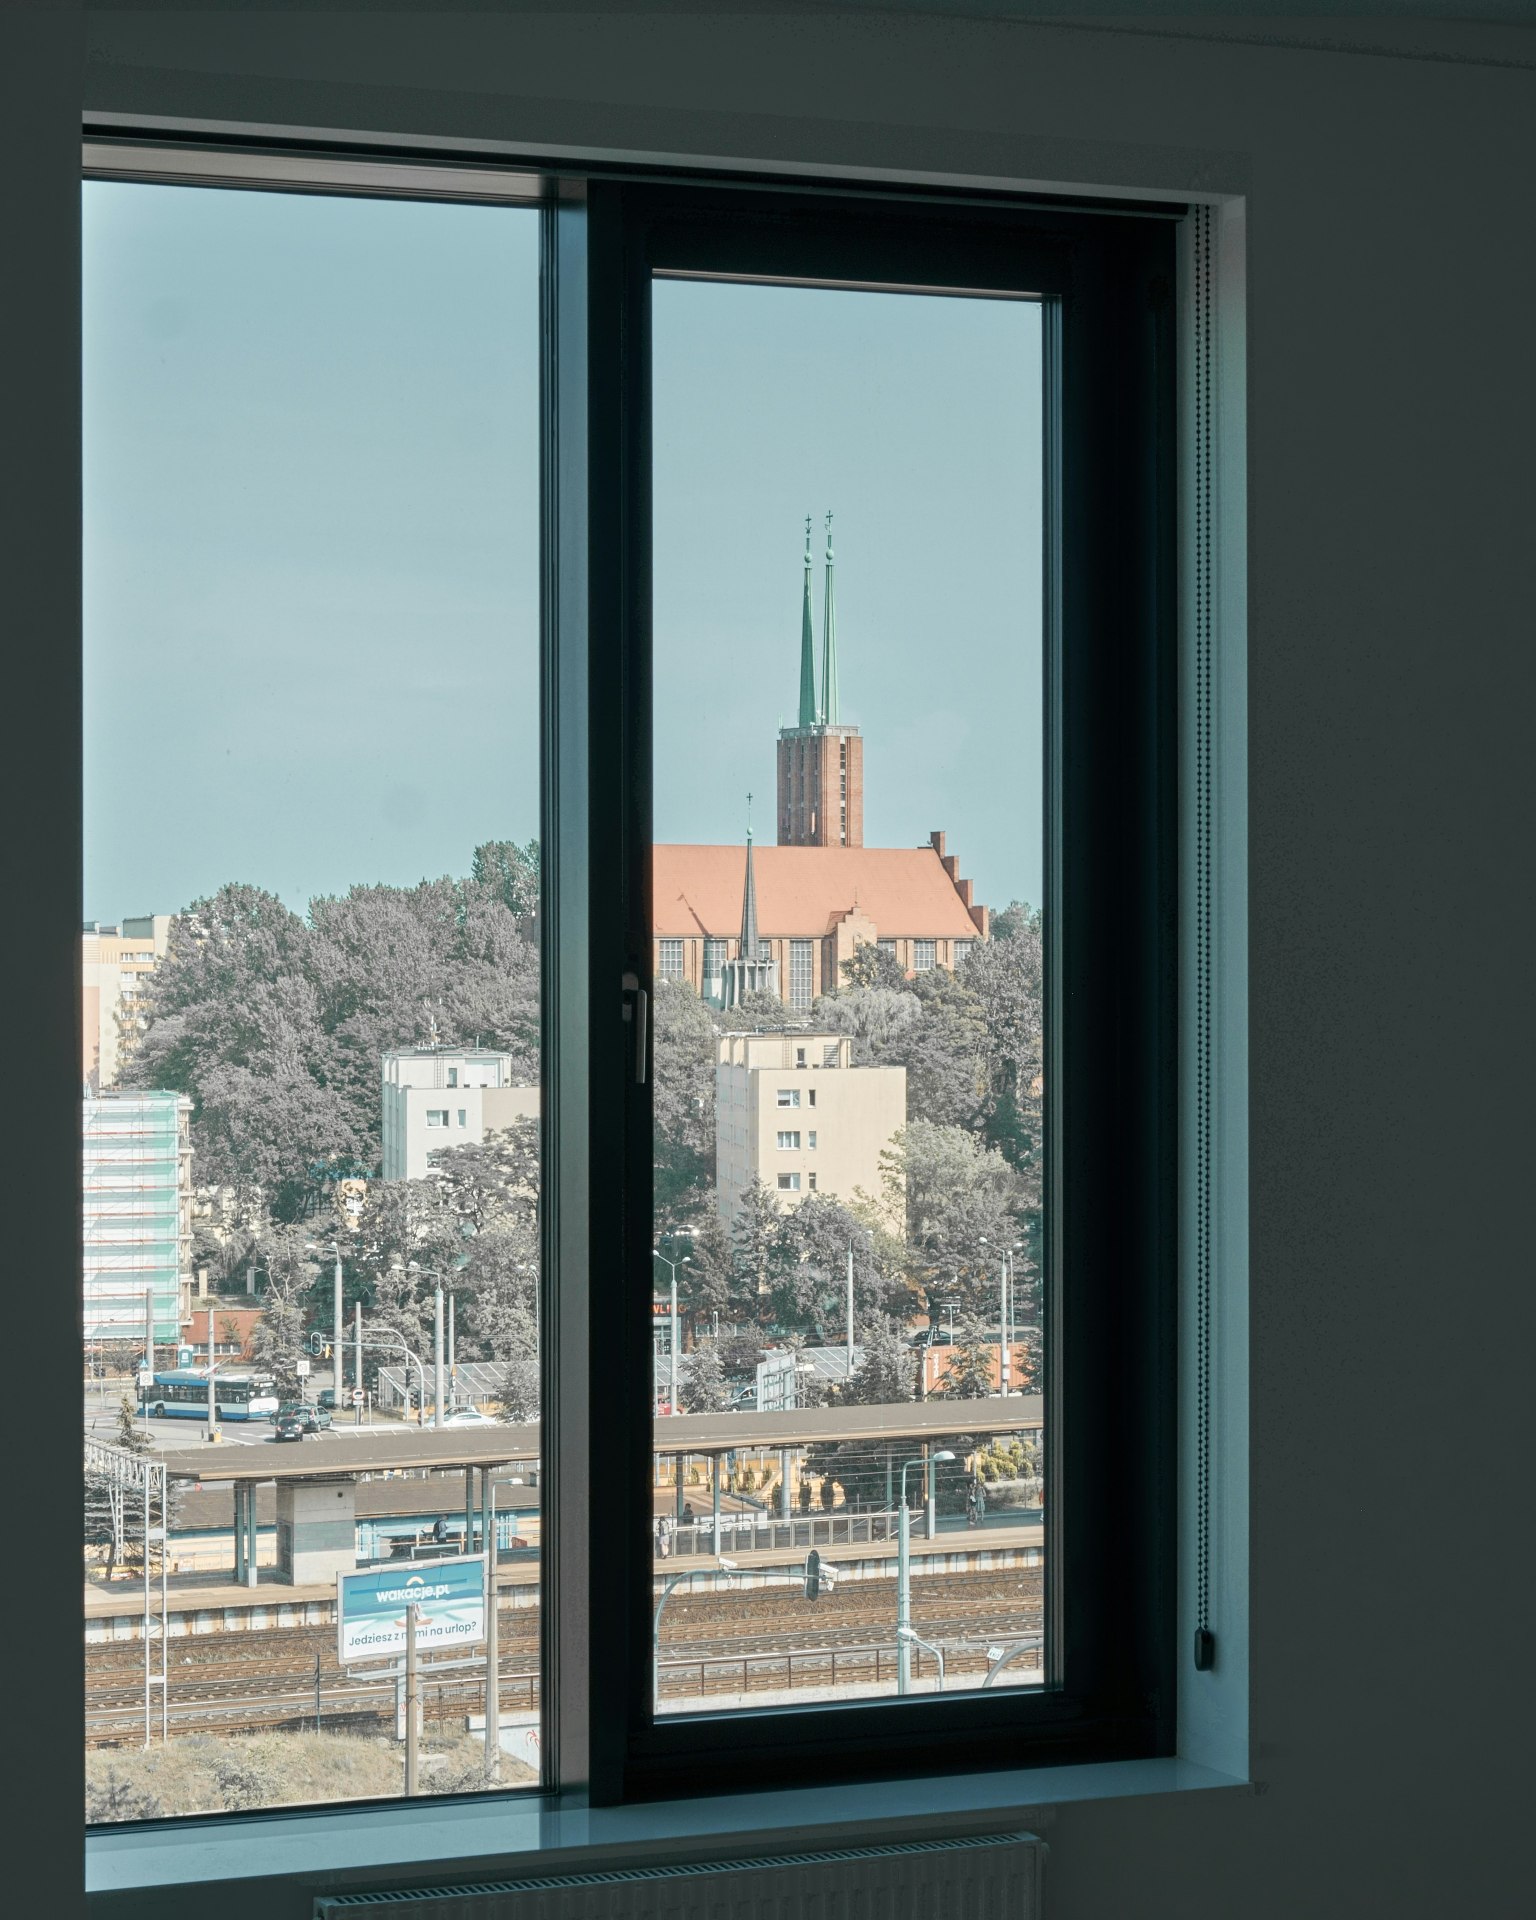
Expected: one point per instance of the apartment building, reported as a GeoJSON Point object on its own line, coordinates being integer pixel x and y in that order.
{"type": "Point", "coordinates": [137, 1177]}
{"type": "Point", "coordinates": [792, 1110]}
{"type": "Point", "coordinates": [437, 1097]}
{"type": "Point", "coordinates": [115, 962]}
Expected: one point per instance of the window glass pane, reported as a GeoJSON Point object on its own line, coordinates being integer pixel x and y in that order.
{"type": "Point", "coordinates": [878, 1278]}
{"type": "Point", "coordinates": [311, 820]}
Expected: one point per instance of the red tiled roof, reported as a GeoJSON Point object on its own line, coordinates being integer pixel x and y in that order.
{"type": "Point", "coordinates": [803, 891]}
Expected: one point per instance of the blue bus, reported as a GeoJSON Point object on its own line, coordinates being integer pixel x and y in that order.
{"type": "Point", "coordinates": [183, 1395]}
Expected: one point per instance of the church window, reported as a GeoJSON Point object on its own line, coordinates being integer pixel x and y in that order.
{"type": "Point", "coordinates": [800, 973]}
{"type": "Point", "coordinates": [922, 956]}
{"type": "Point", "coordinates": [671, 967]}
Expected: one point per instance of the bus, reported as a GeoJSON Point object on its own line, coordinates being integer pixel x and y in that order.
{"type": "Point", "coordinates": [183, 1395]}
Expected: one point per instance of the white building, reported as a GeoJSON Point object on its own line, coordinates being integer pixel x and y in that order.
{"type": "Point", "coordinates": [794, 1111]}
{"type": "Point", "coordinates": [436, 1097]}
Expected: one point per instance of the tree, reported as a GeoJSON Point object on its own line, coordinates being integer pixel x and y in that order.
{"type": "Point", "coordinates": [277, 1340]}
{"type": "Point", "coordinates": [1006, 975]}
{"type": "Point", "coordinates": [510, 872]}
{"type": "Point", "coordinates": [115, 1797]}
{"type": "Point", "coordinates": [683, 1103]}
{"type": "Point", "coordinates": [960, 1198]}
{"type": "Point", "coordinates": [887, 1371]}
{"type": "Point", "coordinates": [972, 1363]}
{"type": "Point", "coordinates": [873, 966]}
{"type": "Point", "coordinates": [810, 1259]}
{"type": "Point", "coordinates": [756, 1248]}
{"type": "Point", "coordinates": [704, 1388]}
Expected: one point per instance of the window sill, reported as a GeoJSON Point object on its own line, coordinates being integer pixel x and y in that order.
{"type": "Point", "coordinates": [543, 1833]}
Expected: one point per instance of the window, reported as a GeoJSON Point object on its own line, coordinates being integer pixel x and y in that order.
{"type": "Point", "coordinates": [285, 388]}
{"type": "Point", "coordinates": [719, 333]}
{"type": "Point", "coordinates": [810, 1140]}
{"type": "Point", "coordinates": [799, 1056]}
{"type": "Point", "coordinates": [800, 973]}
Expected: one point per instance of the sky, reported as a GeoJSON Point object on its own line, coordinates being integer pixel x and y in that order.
{"type": "Point", "coordinates": [311, 555]}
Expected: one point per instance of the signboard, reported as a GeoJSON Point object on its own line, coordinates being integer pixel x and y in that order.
{"type": "Point", "coordinates": [301, 1367]}
{"type": "Point", "coordinates": [357, 1396]}
{"type": "Point", "coordinates": [449, 1596]}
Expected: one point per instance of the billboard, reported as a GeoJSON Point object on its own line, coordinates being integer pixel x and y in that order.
{"type": "Point", "coordinates": [371, 1607]}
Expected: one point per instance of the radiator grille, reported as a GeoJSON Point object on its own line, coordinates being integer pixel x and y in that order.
{"type": "Point", "coordinates": [995, 1876]}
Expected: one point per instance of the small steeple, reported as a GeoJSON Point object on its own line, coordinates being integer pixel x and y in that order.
{"type": "Point", "coordinates": [829, 645]}
{"type": "Point", "coordinates": [748, 948]}
{"type": "Point", "coordinates": [807, 643]}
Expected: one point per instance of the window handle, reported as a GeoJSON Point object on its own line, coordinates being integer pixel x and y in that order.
{"type": "Point", "coordinates": [637, 1009]}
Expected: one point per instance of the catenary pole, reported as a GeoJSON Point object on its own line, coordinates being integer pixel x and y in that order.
{"type": "Point", "coordinates": [410, 1700]}
{"type": "Point", "coordinates": [337, 1369]}
{"type": "Point", "coordinates": [437, 1355]}
{"type": "Point", "coordinates": [850, 1310]}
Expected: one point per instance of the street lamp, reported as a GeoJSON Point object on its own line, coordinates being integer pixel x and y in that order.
{"type": "Point", "coordinates": [728, 1568]}
{"type": "Point", "coordinates": [336, 1349]}
{"type": "Point", "coordinates": [904, 1635]}
{"type": "Point", "coordinates": [686, 1260]}
{"type": "Point", "coordinates": [413, 1266]}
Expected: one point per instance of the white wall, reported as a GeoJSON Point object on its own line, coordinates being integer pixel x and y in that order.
{"type": "Point", "coordinates": [1391, 687]}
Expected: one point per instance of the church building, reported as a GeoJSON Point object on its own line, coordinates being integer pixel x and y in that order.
{"type": "Point", "coordinates": [783, 919]}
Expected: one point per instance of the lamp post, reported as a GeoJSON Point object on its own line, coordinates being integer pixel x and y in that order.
{"type": "Point", "coordinates": [413, 1266]}
{"type": "Point", "coordinates": [686, 1260]}
{"type": "Point", "coordinates": [336, 1347]}
{"type": "Point", "coordinates": [904, 1635]}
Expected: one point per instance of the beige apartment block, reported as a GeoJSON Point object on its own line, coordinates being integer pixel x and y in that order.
{"type": "Point", "coordinates": [794, 1111]}
{"type": "Point", "coordinates": [439, 1097]}
{"type": "Point", "coordinates": [115, 962]}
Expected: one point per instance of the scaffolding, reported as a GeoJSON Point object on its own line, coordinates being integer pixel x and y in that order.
{"type": "Point", "coordinates": [137, 1213]}
{"type": "Point", "coordinates": [137, 1487]}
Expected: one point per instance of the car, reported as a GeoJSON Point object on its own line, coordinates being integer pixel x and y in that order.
{"type": "Point", "coordinates": [470, 1417]}
{"type": "Point", "coordinates": [328, 1398]}
{"type": "Point", "coordinates": [289, 1422]}
{"type": "Point", "coordinates": [297, 1419]}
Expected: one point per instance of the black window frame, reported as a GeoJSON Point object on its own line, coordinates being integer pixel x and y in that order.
{"type": "Point", "coordinates": [1107, 281]}
{"type": "Point", "coordinates": [1106, 275]}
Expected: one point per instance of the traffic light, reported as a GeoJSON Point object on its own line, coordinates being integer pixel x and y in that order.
{"type": "Point", "coordinates": [813, 1575]}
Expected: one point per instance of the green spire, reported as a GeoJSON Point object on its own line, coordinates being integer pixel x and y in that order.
{"type": "Point", "coordinates": [748, 947]}
{"type": "Point", "coordinates": [807, 643]}
{"type": "Point", "coordinates": [829, 645]}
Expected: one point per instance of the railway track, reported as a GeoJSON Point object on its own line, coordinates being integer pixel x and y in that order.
{"type": "Point", "coordinates": [719, 1642]}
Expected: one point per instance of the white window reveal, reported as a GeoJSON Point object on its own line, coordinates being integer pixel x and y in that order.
{"type": "Point", "coordinates": [463, 1116]}
{"type": "Point", "coordinates": [437, 1116]}
{"type": "Point", "coordinates": [790, 1097]}
{"type": "Point", "coordinates": [789, 1142]}
{"type": "Point", "coordinates": [789, 1183]}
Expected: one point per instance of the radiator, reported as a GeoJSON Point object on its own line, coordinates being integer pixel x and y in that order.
{"type": "Point", "coordinates": [993, 1876]}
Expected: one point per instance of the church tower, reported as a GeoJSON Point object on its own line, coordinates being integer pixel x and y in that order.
{"type": "Point", "coordinates": [821, 760]}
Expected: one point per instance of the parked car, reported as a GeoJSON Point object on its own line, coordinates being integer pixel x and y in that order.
{"type": "Point", "coordinates": [319, 1417]}
{"type": "Point", "coordinates": [328, 1398]}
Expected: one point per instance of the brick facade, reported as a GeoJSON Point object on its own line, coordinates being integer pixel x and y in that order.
{"type": "Point", "coordinates": [821, 787]}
